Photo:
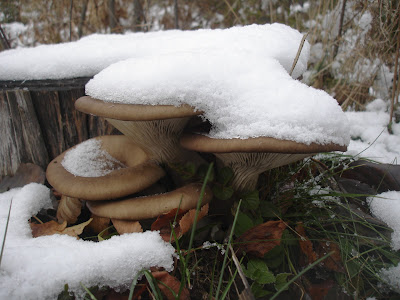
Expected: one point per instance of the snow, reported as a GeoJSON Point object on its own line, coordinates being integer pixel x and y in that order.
{"type": "Point", "coordinates": [88, 159]}
{"type": "Point", "coordinates": [91, 54]}
{"type": "Point", "coordinates": [370, 136]}
{"type": "Point", "coordinates": [38, 268]}
{"type": "Point", "coordinates": [241, 100]}
{"type": "Point", "coordinates": [386, 207]}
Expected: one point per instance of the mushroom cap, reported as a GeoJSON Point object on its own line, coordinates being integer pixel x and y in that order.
{"type": "Point", "coordinates": [202, 143]}
{"type": "Point", "coordinates": [147, 207]}
{"type": "Point", "coordinates": [138, 174]}
{"type": "Point", "coordinates": [133, 112]}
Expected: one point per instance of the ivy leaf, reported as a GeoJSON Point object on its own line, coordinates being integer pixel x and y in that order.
{"type": "Point", "coordinates": [258, 290]}
{"type": "Point", "coordinates": [258, 271]}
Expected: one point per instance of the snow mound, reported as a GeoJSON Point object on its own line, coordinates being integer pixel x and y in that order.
{"type": "Point", "coordinates": [91, 54]}
{"type": "Point", "coordinates": [243, 95]}
{"type": "Point", "coordinates": [38, 268]}
{"type": "Point", "coordinates": [88, 159]}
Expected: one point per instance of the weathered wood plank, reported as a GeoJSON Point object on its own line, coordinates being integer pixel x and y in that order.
{"type": "Point", "coordinates": [74, 122]}
{"type": "Point", "coordinates": [21, 135]}
{"type": "Point", "coordinates": [9, 154]}
{"type": "Point", "coordinates": [48, 111]}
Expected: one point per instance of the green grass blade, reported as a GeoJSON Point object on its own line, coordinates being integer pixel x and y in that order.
{"type": "Point", "coordinates": [154, 287]}
{"type": "Point", "coordinates": [88, 291]}
{"type": "Point", "coordinates": [227, 251]}
{"type": "Point", "coordinates": [300, 274]}
{"type": "Point", "coordinates": [133, 285]}
{"type": "Point", "coordinates": [5, 231]}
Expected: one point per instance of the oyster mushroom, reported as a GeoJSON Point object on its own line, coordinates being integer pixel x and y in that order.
{"type": "Point", "coordinates": [126, 170]}
{"type": "Point", "coordinates": [139, 208]}
{"type": "Point", "coordinates": [156, 128]}
{"type": "Point", "coordinates": [250, 157]}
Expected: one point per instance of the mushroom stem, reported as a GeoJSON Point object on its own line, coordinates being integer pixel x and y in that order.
{"type": "Point", "coordinates": [158, 138]}
{"type": "Point", "coordinates": [248, 166]}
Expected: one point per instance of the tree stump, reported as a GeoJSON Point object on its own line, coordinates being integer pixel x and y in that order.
{"type": "Point", "coordinates": [38, 121]}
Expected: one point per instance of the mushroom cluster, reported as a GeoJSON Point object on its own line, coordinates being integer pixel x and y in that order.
{"type": "Point", "coordinates": [261, 118]}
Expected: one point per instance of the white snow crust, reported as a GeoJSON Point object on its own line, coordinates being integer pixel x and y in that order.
{"type": "Point", "coordinates": [38, 268]}
{"type": "Point", "coordinates": [386, 207]}
{"type": "Point", "coordinates": [241, 95]}
{"type": "Point", "coordinates": [88, 159]}
{"type": "Point", "coordinates": [370, 136]}
{"type": "Point", "coordinates": [91, 54]}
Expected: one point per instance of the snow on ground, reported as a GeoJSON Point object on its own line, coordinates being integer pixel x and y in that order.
{"type": "Point", "coordinates": [386, 207]}
{"type": "Point", "coordinates": [38, 268]}
{"type": "Point", "coordinates": [370, 136]}
{"type": "Point", "coordinates": [91, 54]}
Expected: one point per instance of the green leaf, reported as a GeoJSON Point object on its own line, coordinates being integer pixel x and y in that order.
{"type": "Point", "coordinates": [186, 170]}
{"type": "Point", "coordinates": [251, 200]}
{"type": "Point", "coordinates": [258, 290]}
{"type": "Point", "coordinates": [244, 223]}
{"type": "Point", "coordinates": [222, 192]}
{"type": "Point", "coordinates": [257, 270]}
{"type": "Point", "coordinates": [225, 175]}
{"type": "Point", "coordinates": [281, 280]}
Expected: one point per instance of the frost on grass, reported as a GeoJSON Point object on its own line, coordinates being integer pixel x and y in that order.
{"type": "Point", "coordinates": [91, 54]}
{"type": "Point", "coordinates": [370, 136]}
{"type": "Point", "coordinates": [88, 159]}
{"type": "Point", "coordinates": [38, 268]}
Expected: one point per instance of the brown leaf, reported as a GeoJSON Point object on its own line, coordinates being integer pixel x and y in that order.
{"type": "Point", "coordinates": [77, 229]}
{"type": "Point", "coordinates": [52, 227]}
{"type": "Point", "coordinates": [127, 226]}
{"type": "Point", "coordinates": [183, 222]}
{"type": "Point", "coordinates": [261, 238]}
{"type": "Point", "coordinates": [320, 290]}
{"type": "Point", "coordinates": [333, 262]}
{"type": "Point", "coordinates": [170, 282]}
{"type": "Point", "coordinates": [69, 209]}
{"type": "Point", "coordinates": [47, 228]}
{"type": "Point", "coordinates": [305, 244]}
{"type": "Point", "coordinates": [98, 224]}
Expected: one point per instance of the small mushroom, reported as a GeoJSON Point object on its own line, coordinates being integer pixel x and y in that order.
{"type": "Point", "coordinates": [184, 198]}
{"type": "Point", "coordinates": [155, 128]}
{"type": "Point", "coordinates": [136, 173]}
{"type": "Point", "coordinates": [250, 157]}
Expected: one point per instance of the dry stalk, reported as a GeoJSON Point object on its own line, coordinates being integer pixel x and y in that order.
{"type": "Point", "coordinates": [298, 53]}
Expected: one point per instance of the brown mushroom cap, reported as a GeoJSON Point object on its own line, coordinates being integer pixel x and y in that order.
{"type": "Point", "coordinates": [202, 143]}
{"type": "Point", "coordinates": [150, 206]}
{"type": "Point", "coordinates": [156, 128]}
{"type": "Point", "coordinates": [133, 112]}
{"type": "Point", "coordinates": [138, 174]}
{"type": "Point", "coordinates": [250, 157]}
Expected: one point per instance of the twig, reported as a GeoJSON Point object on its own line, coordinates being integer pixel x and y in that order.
{"type": "Point", "coordinates": [298, 53]}
{"type": "Point", "coordinates": [3, 38]}
{"type": "Point", "coordinates": [5, 232]}
{"type": "Point", "coordinates": [176, 14]}
{"type": "Point", "coordinates": [396, 74]}
{"type": "Point", "coordinates": [336, 47]}
{"type": "Point", "coordinates": [247, 289]}
{"type": "Point", "coordinates": [232, 10]}
{"type": "Point", "coordinates": [70, 19]}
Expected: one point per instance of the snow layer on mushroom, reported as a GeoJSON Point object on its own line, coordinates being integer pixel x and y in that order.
{"type": "Point", "coordinates": [38, 268]}
{"type": "Point", "coordinates": [88, 159]}
{"type": "Point", "coordinates": [91, 54]}
{"type": "Point", "coordinates": [243, 95]}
